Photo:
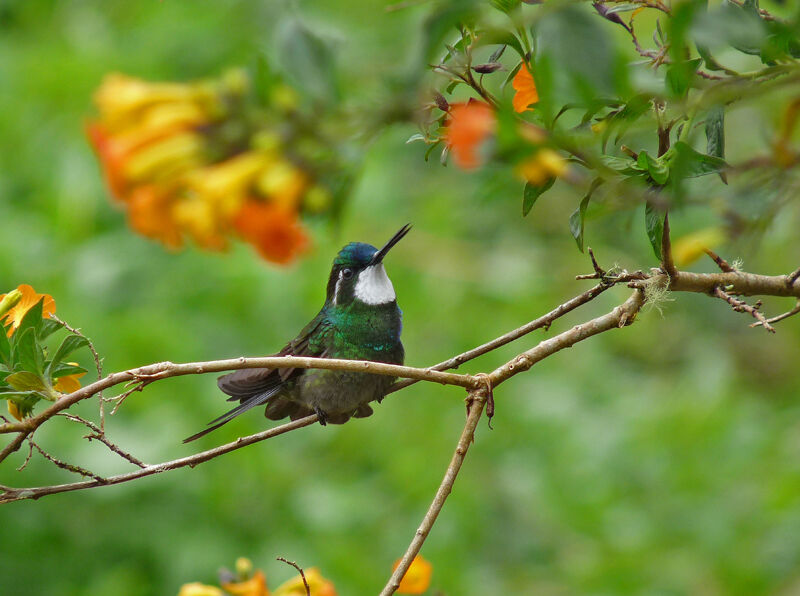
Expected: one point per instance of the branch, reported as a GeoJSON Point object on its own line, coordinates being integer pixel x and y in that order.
{"type": "Point", "coordinates": [621, 316]}
{"type": "Point", "coordinates": [737, 283]}
{"type": "Point", "coordinates": [742, 306]}
{"type": "Point", "coordinates": [781, 317]}
{"type": "Point", "coordinates": [300, 570]}
{"type": "Point", "coordinates": [542, 322]}
{"type": "Point", "coordinates": [476, 400]}
{"type": "Point", "coordinates": [164, 370]}
{"type": "Point", "coordinates": [10, 495]}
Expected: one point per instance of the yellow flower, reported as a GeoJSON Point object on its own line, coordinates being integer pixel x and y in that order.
{"type": "Point", "coordinates": [69, 383]}
{"type": "Point", "coordinates": [318, 584]}
{"type": "Point", "coordinates": [14, 410]}
{"type": "Point", "coordinates": [542, 166]}
{"type": "Point", "coordinates": [198, 589]}
{"type": "Point", "coordinates": [283, 184]}
{"type": "Point", "coordinates": [687, 249]}
{"type": "Point", "coordinates": [255, 586]}
{"type": "Point", "coordinates": [226, 184]}
{"type": "Point", "coordinates": [417, 578]}
{"type": "Point", "coordinates": [28, 300]}
{"type": "Point", "coordinates": [197, 217]}
{"type": "Point", "coordinates": [121, 99]}
{"type": "Point", "coordinates": [164, 159]}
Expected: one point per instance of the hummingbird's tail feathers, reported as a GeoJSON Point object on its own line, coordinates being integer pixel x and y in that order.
{"type": "Point", "coordinates": [245, 383]}
{"type": "Point", "coordinates": [252, 402]}
{"type": "Point", "coordinates": [247, 404]}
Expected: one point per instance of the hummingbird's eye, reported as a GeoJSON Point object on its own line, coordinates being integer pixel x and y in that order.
{"type": "Point", "coordinates": [347, 273]}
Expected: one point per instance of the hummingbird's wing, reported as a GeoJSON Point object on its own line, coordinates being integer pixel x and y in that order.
{"type": "Point", "coordinates": [256, 386]}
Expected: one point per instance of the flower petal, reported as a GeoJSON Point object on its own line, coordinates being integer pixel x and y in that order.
{"type": "Point", "coordinates": [526, 92]}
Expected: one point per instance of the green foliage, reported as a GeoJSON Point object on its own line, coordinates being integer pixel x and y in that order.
{"type": "Point", "coordinates": [28, 372]}
{"type": "Point", "coordinates": [658, 459]}
{"type": "Point", "coordinates": [532, 192]}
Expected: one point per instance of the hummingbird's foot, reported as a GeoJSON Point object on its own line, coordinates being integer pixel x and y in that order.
{"type": "Point", "coordinates": [323, 417]}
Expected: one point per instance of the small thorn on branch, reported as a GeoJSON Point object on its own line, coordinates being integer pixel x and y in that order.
{"type": "Point", "coordinates": [742, 306]}
{"type": "Point", "coordinates": [300, 570]}
{"type": "Point", "coordinates": [793, 277]}
{"type": "Point", "coordinates": [599, 271]}
{"type": "Point", "coordinates": [721, 263]}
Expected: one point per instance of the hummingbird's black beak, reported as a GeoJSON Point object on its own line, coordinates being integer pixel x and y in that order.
{"type": "Point", "coordinates": [378, 257]}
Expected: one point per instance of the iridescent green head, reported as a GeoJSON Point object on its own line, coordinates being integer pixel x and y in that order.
{"type": "Point", "coordinates": [358, 273]}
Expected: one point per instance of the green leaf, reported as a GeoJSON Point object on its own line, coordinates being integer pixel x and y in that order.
{"type": "Point", "coordinates": [24, 400]}
{"type": "Point", "coordinates": [685, 162]}
{"type": "Point", "coordinates": [654, 223]}
{"type": "Point", "coordinates": [415, 137]}
{"type": "Point", "coordinates": [441, 23]}
{"type": "Point", "coordinates": [26, 381]}
{"type": "Point", "coordinates": [708, 59]}
{"type": "Point", "coordinates": [715, 135]}
{"type": "Point", "coordinates": [657, 170]}
{"type": "Point", "coordinates": [622, 165]}
{"type": "Point", "coordinates": [48, 327]}
{"type": "Point", "coordinates": [511, 75]}
{"type": "Point", "coordinates": [307, 60]}
{"type": "Point", "coordinates": [576, 220]}
{"type": "Point", "coordinates": [430, 150]}
{"type": "Point", "coordinates": [506, 6]}
{"type": "Point", "coordinates": [62, 370]}
{"type": "Point", "coordinates": [491, 36]}
{"type": "Point", "coordinates": [5, 347]}
{"type": "Point", "coordinates": [532, 192]}
{"type": "Point", "coordinates": [69, 345]}
{"type": "Point", "coordinates": [28, 352]}
{"type": "Point", "coordinates": [680, 75]}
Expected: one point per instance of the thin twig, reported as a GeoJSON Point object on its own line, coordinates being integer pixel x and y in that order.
{"type": "Point", "coordinates": [599, 271]}
{"type": "Point", "coordinates": [742, 306]}
{"type": "Point", "coordinates": [19, 494]}
{"type": "Point", "coordinates": [477, 400]}
{"type": "Point", "coordinates": [542, 322]}
{"type": "Point", "coordinates": [67, 466]}
{"type": "Point", "coordinates": [721, 263]}
{"type": "Point", "coordinates": [300, 570]}
{"type": "Point", "coordinates": [28, 458]}
{"type": "Point", "coordinates": [780, 317]}
{"type": "Point", "coordinates": [119, 399]}
{"type": "Point", "coordinates": [622, 315]}
{"type": "Point", "coordinates": [99, 435]}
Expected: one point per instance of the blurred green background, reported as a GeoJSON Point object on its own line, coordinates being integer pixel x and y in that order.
{"type": "Point", "coordinates": [660, 459]}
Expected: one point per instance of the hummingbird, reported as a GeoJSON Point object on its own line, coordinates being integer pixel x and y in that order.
{"type": "Point", "coordinates": [360, 320]}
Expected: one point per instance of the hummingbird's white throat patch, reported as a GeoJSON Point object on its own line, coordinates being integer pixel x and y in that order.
{"type": "Point", "coordinates": [374, 286]}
